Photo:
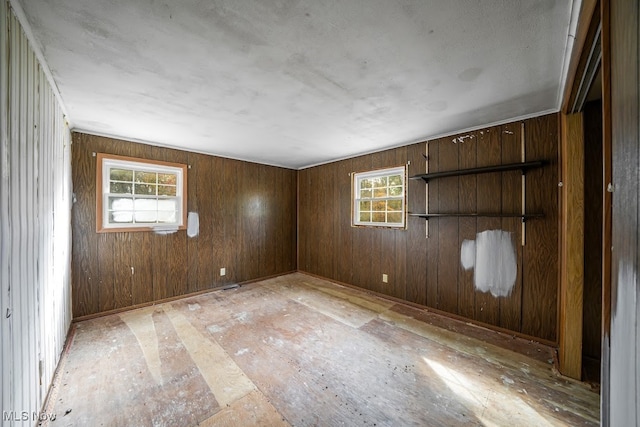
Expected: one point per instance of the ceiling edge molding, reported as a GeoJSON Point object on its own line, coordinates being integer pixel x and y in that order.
{"type": "Point", "coordinates": [441, 135]}
{"type": "Point", "coordinates": [173, 147]}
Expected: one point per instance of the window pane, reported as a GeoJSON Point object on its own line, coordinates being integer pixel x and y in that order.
{"type": "Point", "coordinates": [120, 188]}
{"type": "Point", "coordinates": [394, 205]}
{"type": "Point", "coordinates": [167, 178]}
{"type": "Point", "coordinates": [365, 194]}
{"type": "Point", "coordinates": [120, 204]}
{"type": "Point", "coordinates": [378, 217]}
{"type": "Point", "coordinates": [395, 180]}
{"type": "Point", "coordinates": [380, 206]}
{"type": "Point", "coordinates": [380, 182]}
{"type": "Point", "coordinates": [394, 217]}
{"type": "Point", "coordinates": [380, 192]}
{"type": "Point", "coordinates": [120, 217]}
{"type": "Point", "coordinates": [365, 206]}
{"type": "Point", "coordinates": [146, 205]}
{"type": "Point", "coordinates": [167, 205]}
{"type": "Point", "coordinates": [365, 183]}
{"type": "Point", "coordinates": [147, 177]}
{"type": "Point", "coordinates": [395, 191]}
{"type": "Point", "coordinates": [121, 175]}
{"type": "Point", "coordinates": [365, 216]}
{"type": "Point", "coordinates": [146, 189]}
{"type": "Point", "coordinates": [166, 216]}
{"type": "Point", "coordinates": [146, 216]}
{"type": "Point", "coordinates": [166, 190]}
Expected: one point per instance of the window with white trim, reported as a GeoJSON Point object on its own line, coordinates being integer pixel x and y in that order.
{"type": "Point", "coordinates": [138, 194]}
{"type": "Point", "coordinates": [379, 198]}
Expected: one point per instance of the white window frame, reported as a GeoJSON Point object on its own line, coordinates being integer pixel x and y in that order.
{"type": "Point", "coordinates": [106, 162]}
{"type": "Point", "coordinates": [356, 196]}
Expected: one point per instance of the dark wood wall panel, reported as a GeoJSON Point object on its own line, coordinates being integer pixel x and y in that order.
{"type": "Point", "coordinates": [592, 304]}
{"type": "Point", "coordinates": [362, 237]}
{"type": "Point", "coordinates": [304, 212]}
{"type": "Point", "coordinates": [229, 210]}
{"type": "Point", "coordinates": [247, 218]}
{"type": "Point", "coordinates": [467, 227]}
{"type": "Point", "coordinates": [433, 225]}
{"type": "Point", "coordinates": [203, 183]}
{"type": "Point", "coordinates": [399, 279]}
{"type": "Point", "coordinates": [489, 191]}
{"type": "Point", "coordinates": [511, 306]}
{"type": "Point", "coordinates": [344, 240]}
{"type": "Point", "coordinates": [427, 270]}
{"type": "Point", "coordinates": [540, 272]}
{"type": "Point", "coordinates": [85, 292]}
{"type": "Point", "coordinates": [448, 252]}
{"type": "Point", "coordinates": [416, 242]}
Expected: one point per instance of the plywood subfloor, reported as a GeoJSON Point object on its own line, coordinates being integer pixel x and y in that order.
{"type": "Point", "coordinates": [300, 351]}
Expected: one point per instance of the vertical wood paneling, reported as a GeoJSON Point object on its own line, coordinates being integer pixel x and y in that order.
{"type": "Point", "coordinates": [416, 240]}
{"type": "Point", "coordinates": [193, 244]}
{"type": "Point", "coordinates": [540, 273]}
{"type": "Point", "coordinates": [230, 209]}
{"type": "Point", "coordinates": [159, 253]}
{"type": "Point", "coordinates": [433, 225]}
{"type": "Point", "coordinates": [85, 245]}
{"type": "Point", "coordinates": [303, 220]}
{"type": "Point", "coordinates": [237, 204]}
{"type": "Point", "coordinates": [448, 253]}
{"type": "Point", "coordinates": [285, 238]}
{"type": "Point", "coordinates": [35, 200]}
{"type": "Point", "coordinates": [344, 246]}
{"type": "Point", "coordinates": [122, 281]}
{"type": "Point", "coordinates": [511, 305]}
{"type": "Point", "coordinates": [141, 261]}
{"type": "Point", "coordinates": [323, 219]}
{"type": "Point", "coordinates": [399, 289]}
{"type": "Point", "coordinates": [427, 270]}
{"type": "Point", "coordinates": [176, 243]}
{"type": "Point", "coordinates": [217, 190]}
{"type": "Point", "coordinates": [592, 307]}
{"type": "Point", "coordinates": [487, 307]}
{"type": "Point", "coordinates": [467, 229]}
{"type": "Point", "coordinates": [204, 187]}
{"type": "Point", "coordinates": [106, 273]}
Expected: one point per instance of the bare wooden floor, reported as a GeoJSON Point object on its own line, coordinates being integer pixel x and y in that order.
{"type": "Point", "coordinates": [296, 350]}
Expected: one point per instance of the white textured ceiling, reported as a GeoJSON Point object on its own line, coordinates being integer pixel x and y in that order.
{"type": "Point", "coordinates": [299, 82]}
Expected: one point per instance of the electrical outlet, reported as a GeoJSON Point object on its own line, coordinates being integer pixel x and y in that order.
{"type": "Point", "coordinates": [223, 271]}
{"type": "Point", "coordinates": [385, 278]}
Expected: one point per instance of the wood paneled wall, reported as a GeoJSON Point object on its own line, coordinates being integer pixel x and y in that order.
{"type": "Point", "coordinates": [247, 225]}
{"type": "Point", "coordinates": [427, 270]}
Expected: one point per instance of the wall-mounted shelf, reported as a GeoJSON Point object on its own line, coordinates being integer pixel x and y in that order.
{"type": "Point", "coordinates": [477, 215]}
{"type": "Point", "coordinates": [523, 166]}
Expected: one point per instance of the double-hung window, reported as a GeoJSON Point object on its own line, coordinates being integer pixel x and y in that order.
{"type": "Point", "coordinates": [136, 194]}
{"type": "Point", "coordinates": [379, 198]}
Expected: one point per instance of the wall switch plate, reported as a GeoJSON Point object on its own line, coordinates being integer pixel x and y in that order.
{"type": "Point", "coordinates": [385, 278]}
{"type": "Point", "coordinates": [223, 271]}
